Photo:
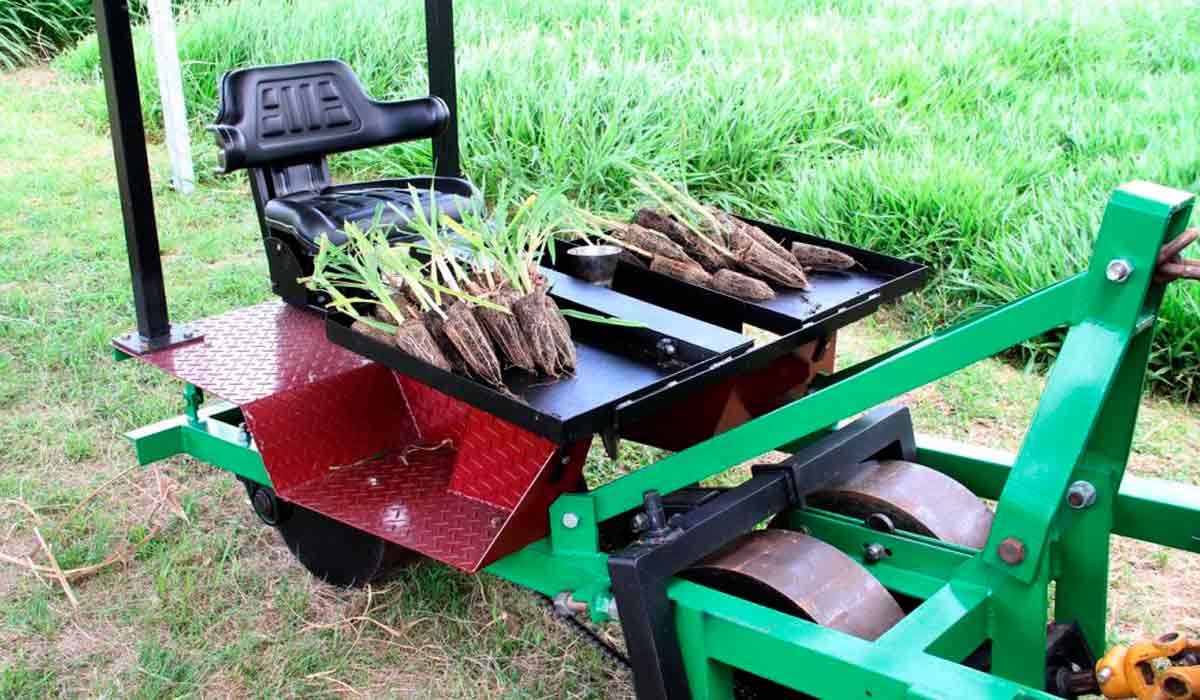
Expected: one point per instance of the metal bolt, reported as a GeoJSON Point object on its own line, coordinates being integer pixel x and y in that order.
{"type": "Point", "coordinates": [566, 606]}
{"type": "Point", "coordinates": [1011, 551]}
{"type": "Point", "coordinates": [666, 348]}
{"type": "Point", "coordinates": [570, 521]}
{"type": "Point", "coordinates": [875, 552]}
{"type": "Point", "coordinates": [1081, 494]}
{"type": "Point", "coordinates": [880, 522]}
{"type": "Point", "coordinates": [656, 516]}
{"type": "Point", "coordinates": [1118, 270]}
{"type": "Point", "coordinates": [1104, 675]}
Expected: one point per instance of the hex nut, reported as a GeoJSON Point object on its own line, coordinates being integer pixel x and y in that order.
{"type": "Point", "coordinates": [1081, 494]}
{"type": "Point", "coordinates": [874, 552]}
{"type": "Point", "coordinates": [1118, 270]}
{"type": "Point", "coordinates": [1011, 551]}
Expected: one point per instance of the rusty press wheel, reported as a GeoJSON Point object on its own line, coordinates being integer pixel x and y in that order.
{"type": "Point", "coordinates": [914, 498]}
{"type": "Point", "coordinates": [802, 576]}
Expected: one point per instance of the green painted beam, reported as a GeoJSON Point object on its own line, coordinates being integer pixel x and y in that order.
{"type": "Point", "coordinates": [538, 567]}
{"type": "Point", "coordinates": [931, 358]}
{"type": "Point", "coordinates": [1151, 510]}
{"type": "Point", "coordinates": [825, 662]}
{"type": "Point", "coordinates": [951, 624]}
{"type": "Point", "coordinates": [918, 566]}
{"type": "Point", "coordinates": [209, 439]}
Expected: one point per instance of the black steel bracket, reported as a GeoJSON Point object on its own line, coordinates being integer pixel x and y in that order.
{"type": "Point", "coordinates": [135, 343]}
{"type": "Point", "coordinates": [115, 40]}
{"type": "Point", "coordinates": [439, 47]}
{"type": "Point", "coordinates": [885, 433]}
{"type": "Point", "coordinates": [640, 574]}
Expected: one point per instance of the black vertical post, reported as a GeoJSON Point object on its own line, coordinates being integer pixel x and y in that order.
{"type": "Point", "coordinates": [133, 168]}
{"type": "Point", "coordinates": [439, 45]}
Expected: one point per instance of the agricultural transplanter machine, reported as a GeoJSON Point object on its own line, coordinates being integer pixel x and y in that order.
{"type": "Point", "coordinates": [881, 574]}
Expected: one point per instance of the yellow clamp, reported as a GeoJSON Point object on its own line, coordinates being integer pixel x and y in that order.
{"type": "Point", "coordinates": [1140, 670]}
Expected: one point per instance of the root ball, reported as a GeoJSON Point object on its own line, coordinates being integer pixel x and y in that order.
{"type": "Point", "coordinates": [414, 339]}
{"type": "Point", "coordinates": [506, 332]}
{"type": "Point", "coordinates": [472, 342]}
{"type": "Point", "coordinates": [742, 286]}
{"type": "Point", "coordinates": [545, 329]}
{"type": "Point", "coordinates": [690, 271]}
{"type": "Point", "coordinates": [820, 257]}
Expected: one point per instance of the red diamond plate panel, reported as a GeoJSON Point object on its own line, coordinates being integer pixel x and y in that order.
{"type": "Point", "coordinates": [255, 352]}
{"type": "Point", "coordinates": [437, 415]}
{"type": "Point", "coordinates": [338, 420]}
{"type": "Point", "coordinates": [337, 433]}
{"type": "Point", "coordinates": [405, 500]}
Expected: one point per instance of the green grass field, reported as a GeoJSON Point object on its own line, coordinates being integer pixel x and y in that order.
{"type": "Point", "coordinates": [214, 606]}
{"type": "Point", "coordinates": [982, 137]}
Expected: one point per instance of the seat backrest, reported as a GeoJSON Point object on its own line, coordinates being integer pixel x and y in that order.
{"type": "Point", "coordinates": [276, 116]}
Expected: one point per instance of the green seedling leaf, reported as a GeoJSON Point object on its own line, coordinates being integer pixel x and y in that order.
{"type": "Point", "coordinates": [609, 320]}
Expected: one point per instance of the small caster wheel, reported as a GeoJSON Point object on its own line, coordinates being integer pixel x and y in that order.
{"type": "Point", "coordinates": [336, 553]}
{"type": "Point", "coordinates": [267, 506]}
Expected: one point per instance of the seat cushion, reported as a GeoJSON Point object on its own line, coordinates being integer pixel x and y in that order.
{"type": "Point", "coordinates": [311, 215]}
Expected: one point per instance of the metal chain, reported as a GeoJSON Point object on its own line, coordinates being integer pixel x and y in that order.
{"type": "Point", "coordinates": [613, 653]}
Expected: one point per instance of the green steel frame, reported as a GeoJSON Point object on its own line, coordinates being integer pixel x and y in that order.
{"type": "Point", "coordinates": [1082, 431]}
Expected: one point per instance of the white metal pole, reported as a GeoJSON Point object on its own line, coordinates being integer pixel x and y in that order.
{"type": "Point", "coordinates": [170, 87]}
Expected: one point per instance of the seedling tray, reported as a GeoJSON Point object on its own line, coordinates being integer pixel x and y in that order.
{"type": "Point", "coordinates": [621, 376]}
{"type": "Point", "coordinates": [880, 278]}
{"type": "Point", "coordinates": [616, 364]}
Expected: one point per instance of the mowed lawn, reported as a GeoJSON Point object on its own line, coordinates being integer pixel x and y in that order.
{"type": "Point", "coordinates": [212, 605]}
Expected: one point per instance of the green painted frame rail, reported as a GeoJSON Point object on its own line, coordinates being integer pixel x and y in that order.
{"type": "Point", "coordinates": [212, 434]}
{"type": "Point", "coordinates": [1081, 431]}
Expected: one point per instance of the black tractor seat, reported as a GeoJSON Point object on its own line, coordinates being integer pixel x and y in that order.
{"type": "Point", "coordinates": [310, 215]}
{"type": "Point", "coordinates": [279, 123]}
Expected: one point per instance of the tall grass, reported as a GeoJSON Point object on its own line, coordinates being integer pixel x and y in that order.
{"type": "Point", "coordinates": [982, 137]}
{"type": "Point", "coordinates": [34, 29]}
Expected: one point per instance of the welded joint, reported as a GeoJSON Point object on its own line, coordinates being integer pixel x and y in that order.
{"type": "Point", "coordinates": [193, 398]}
{"type": "Point", "coordinates": [134, 344]}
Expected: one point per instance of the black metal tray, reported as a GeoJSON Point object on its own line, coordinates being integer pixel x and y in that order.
{"type": "Point", "coordinates": [619, 379]}
{"type": "Point", "coordinates": [616, 364]}
{"type": "Point", "coordinates": [831, 293]}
